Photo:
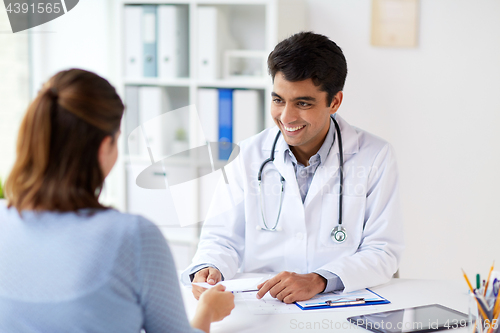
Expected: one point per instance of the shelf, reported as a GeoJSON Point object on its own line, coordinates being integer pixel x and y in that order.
{"type": "Point", "coordinates": [185, 162]}
{"type": "Point", "coordinates": [233, 2]}
{"type": "Point", "coordinates": [249, 83]}
{"type": "Point", "coordinates": [198, 2]}
{"type": "Point", "coordinates": [141, 159]}
{"type": "Point", "coordinates": [180, 82]}
{"type": "Point", "coordinates": [236, 83]}
{"type": "Point", "coordinates": [156, 2]}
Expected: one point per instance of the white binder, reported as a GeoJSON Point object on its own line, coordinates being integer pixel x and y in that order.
{"type": "Point", "coordinates": [247, 114]}
{"type": "Point", "coordinates": [132, 120]}
{"type": "Point", "coordinates": [173, 41]}
{"type": "Point", "coordinates": [149, 40]}
{"type": "Point", "coordinates": [213, 39]}
{"type": "Point", "coordinates": [208, 112]}
{"type": "Point", "coordinates": [153, 103]}
{"type": "Point", "coordinates": [133, 42]}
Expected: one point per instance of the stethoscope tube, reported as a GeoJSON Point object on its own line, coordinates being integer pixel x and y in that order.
{"type": "Point", "coordinates": [341, 169]}
{"type": "Point", "coordinates": [338, 233]}
{"type": "Point", "coordinates": [259, 178]}
{"type": "Point", "coordinates": [270, 159]}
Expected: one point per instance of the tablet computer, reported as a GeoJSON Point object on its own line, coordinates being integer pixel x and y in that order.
{"type": "Point", "coordinates": [420, 319]}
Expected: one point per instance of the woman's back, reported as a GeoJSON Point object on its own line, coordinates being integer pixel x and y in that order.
{"type": "Point", "coordinates": [70, 272]}
{"type": "Point", "coordinates": [63, 269]}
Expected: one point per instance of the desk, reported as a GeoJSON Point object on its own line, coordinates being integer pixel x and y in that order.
{"type": "Point", "coordinates": [401, 292]}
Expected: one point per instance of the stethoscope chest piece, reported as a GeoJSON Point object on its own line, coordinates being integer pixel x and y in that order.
{"type": "Point", "coordinates": [338, 234]}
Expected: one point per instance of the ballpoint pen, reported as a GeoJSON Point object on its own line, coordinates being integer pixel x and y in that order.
{"type": "Point", "coordinates": [357, 301]}
{"type": "Point", "coordinates": [243, 291]}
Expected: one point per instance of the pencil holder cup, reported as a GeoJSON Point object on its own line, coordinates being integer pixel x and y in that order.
{"type": "Point", "coordinates": [483, 314]}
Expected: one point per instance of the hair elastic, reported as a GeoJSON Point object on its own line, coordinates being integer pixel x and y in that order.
{"type": "Point", "coordinates": [53, 92]}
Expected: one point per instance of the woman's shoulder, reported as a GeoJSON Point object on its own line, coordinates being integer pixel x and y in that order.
{"type": "Point", "coordinates": [114, 219]}
{"type": "Point", "coordinates": [102, 221]}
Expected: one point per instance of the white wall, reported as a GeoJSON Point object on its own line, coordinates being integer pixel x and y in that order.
{"type": "Point", "coordinates": [439, 105]}
{"type": "Point", "coordinates": [85, 38]}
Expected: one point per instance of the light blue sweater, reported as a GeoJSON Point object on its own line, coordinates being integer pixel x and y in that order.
{"type": "Point", "coordinates": [68, 272]}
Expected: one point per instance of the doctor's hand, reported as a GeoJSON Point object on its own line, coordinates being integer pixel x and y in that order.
{"type": "Point", "coordinates": [210, 275]}
{"type": "Point", "coordinates": [291, 287]}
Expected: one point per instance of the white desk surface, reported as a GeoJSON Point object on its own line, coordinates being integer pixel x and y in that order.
{"type": "Point", "coordinates": [400, 292]}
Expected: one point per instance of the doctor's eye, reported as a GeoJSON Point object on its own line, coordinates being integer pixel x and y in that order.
{"type": "Point", "coordinates": [303, 104]}
{"type": "Point", "coordinates": [277, 101]}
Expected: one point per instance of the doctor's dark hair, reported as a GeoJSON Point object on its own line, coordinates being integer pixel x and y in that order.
{"type": "Point", "coordinates": [56, 166]}
{"type": "Point", "coordinates": [307, 55]}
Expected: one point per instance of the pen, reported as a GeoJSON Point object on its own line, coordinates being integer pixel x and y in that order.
{"type": "Point", "coordinates": [357, 301]}
{"type": "Point", "coordinates": [243, 291]}
{"type": "Point", "coordinates": [478, 281]}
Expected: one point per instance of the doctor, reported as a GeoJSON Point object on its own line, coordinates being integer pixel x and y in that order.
{"type": "Point", "coordinates": [297, 222]}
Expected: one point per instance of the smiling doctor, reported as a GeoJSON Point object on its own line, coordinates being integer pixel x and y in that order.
{"type": "Point", "coordinates": [287, 213]}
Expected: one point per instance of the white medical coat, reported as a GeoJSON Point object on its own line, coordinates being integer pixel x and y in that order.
{"type": "Point", "coordinates": [369, 256]}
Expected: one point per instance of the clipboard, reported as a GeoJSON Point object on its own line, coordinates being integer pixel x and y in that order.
{"type": "Point", "coordinates": [341, 300]}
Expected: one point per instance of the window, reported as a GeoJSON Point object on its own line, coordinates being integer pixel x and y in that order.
{"type": "Point", "coordinates": [14, 89]}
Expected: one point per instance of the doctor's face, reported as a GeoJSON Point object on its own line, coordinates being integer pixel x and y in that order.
{"type": "Point", "coordinates": [301, 113]}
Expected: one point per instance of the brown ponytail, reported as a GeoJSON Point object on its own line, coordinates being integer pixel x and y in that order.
{"type": "Point", "coordinates": [57, 167]}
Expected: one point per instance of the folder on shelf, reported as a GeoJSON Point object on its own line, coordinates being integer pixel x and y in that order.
{"type": "Point", "coordinates": [152, 103]}
{"type": "Point", "coordinates": [247, 114]}
{"type": "Point", "coordinates": [173, 41]}
{"type": "Point", "coordinates": [133, 41]}
{"type": "Point", "coordinates": [207, 43]}
{"type": "Point", "coordinates": [225, 123]}
{"type": "Point", "coordinates": [132, 120]}
{"type": "Point", "coordinates": [341, 299]}
{"type": "Point", "coordinates": [149, 40]}
{"type": "Point", "coordinates": [208, 112]}
{"type": "Point", "coordinates": [213, 39]}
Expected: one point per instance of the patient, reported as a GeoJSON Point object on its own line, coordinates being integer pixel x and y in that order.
{"type": "Point", "coordinates": [68, 263]}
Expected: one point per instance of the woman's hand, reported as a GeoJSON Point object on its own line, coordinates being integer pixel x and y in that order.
{"type": "Point", "coordinates": [215, 304]}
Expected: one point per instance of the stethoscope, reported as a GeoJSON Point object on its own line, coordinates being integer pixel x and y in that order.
{"type": "Point", "coordinates": [338, 233]}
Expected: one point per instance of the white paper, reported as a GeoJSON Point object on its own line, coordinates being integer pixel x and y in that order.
{"type": "Point", "coordinates": [237, 285]}
{"type": "Point", "coordinates": [269, 305]}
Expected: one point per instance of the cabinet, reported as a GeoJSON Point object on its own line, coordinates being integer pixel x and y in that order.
{"type": "Point", "coordinates": [178, 59]}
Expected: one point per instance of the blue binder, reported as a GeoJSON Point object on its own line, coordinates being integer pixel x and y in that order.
{"type": "Point", "coordinates": [225, 123]}
{"type": "Point", "coordinates": [149, 18]}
